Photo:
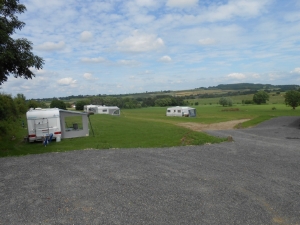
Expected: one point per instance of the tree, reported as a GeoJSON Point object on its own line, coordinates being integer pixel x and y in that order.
{"type": "Point", "coordinates": [20, 102]}
{"type": "Point", "coordinates": [58, 104]}
{"type": "Point", "coordinates": [8, 115]}
{"type": "Point", "coordinates": [292, 98]}
{"type": "Point", "coordinates": [15, 54]}
{"type": "Point", "coordinates": [80, 104]}
{"type": "Point", "coordinates": [225, 101]}
{"type": "Point", "coordinates": [260, 97]}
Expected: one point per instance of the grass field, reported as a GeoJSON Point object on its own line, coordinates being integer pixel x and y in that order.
{"type": "Point", "coordinates": [274, 99]}
{"type": "Point", "coordinates": [146, 127]}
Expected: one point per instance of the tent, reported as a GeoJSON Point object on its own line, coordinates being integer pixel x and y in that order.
{"type": "Point", "coordinates": [74, 124]}
{"type": "Point", "coordinates": [181, 111]}
{"type": "Point", "coordinates": [102, 109]}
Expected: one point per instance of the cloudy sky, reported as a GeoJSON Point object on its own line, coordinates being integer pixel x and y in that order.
{"type": "Point", "coordinates": [129, 46]}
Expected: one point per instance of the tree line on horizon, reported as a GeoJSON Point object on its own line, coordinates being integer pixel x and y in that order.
{"type": "Point", "coordinates": [131, 103]}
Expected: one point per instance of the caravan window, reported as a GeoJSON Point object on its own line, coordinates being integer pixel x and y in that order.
{"type": "Point", "coordinates": [174, 110]}
{"type": "Point", "coordinates": [179, 111]}
{"type": "Point", "coordinates": [104, 110]}
{"type": "Point", "coordinates": [169, 110]}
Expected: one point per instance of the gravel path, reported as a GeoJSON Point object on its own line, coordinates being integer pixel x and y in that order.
{"type": "Point", "coordinates": [253, 180]}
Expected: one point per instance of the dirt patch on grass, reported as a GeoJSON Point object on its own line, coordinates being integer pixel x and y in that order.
{"type": "Point", "coordinates": [213, 126]}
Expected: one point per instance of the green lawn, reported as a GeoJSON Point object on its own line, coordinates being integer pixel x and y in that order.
{"type": "Point", "coordinates": [146, 127]}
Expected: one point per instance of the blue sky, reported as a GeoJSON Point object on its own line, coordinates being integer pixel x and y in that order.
{"type": "Point", "coordinates": [129, 46]}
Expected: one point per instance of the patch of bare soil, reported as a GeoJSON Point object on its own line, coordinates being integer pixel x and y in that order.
{"type": "Point", "coordinates": [214, 126]}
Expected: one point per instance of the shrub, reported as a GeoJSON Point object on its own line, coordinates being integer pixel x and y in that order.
{"type": "Point", "coordinates": [225, 101]}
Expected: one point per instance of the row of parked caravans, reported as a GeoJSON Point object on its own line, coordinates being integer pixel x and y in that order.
{"type": "Point", "coordinates": [43, 122]}
{"type": "Point", "coordinates": [114, 110]}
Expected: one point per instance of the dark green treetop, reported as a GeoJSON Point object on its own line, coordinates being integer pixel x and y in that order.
{"type": "Point", "coordinates": [260, 97]}
{"type": "Point", "coordinates": [292, 98]}
{"type": "Point", "coordinates": [16, 57]}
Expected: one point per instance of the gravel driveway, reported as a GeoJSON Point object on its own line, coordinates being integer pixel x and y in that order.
{"type": "Point", "coordinates": [253, 180]}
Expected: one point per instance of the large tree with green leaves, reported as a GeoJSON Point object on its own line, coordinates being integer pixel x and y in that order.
{"type": "Point", "coordinates": [292, 98]}
{"type": "Point", "coordinates": [16, 57]}
{"type": "Point", "coordinates": [56, 103]}
{"type": "Point", "coordinates": [260, 97]}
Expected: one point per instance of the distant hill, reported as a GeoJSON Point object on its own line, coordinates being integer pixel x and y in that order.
{"type": "Point", "coordinates": [201, 92]}
{"type": "Point", "coordinates": [251, 86]}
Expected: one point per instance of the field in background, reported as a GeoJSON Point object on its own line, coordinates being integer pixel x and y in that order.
{"type": "Point", "coordinates": [202, 96]}
{"type": "Point", "coordinates": [147, 127]}
{"type": "Point", "coordinates": [238, 99]}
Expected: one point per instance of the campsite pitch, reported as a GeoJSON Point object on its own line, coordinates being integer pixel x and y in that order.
{"type": "Point", "coordinates": [252, 180]}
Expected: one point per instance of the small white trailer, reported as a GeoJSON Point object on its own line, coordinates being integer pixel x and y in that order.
{"type": "Point", "coordinates": [181, 111]}
{"type": "Point", "coordinates": [42, 122]}
{"type": "Point", "coordinates": [102, 109]}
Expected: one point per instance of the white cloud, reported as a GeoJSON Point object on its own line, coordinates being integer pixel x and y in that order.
{"type": "Point", "coordinates": [296, 70]}
{"type": "Point", "coordinates": [207, 41]}
{"type": "Point", "coordinates": [274, 76]}
{"type": "Point", "coordinates": [181, 3]}
{"type": "Point", "coordinates": [51, 46]}
{"type": "Point", "coordinates": [88, 76]}
{"type": "Point", "coordinates": [93, 60]}
{"type": "Point", "coordinates": [238, 76]}
{"type": "Point", "coordinates": [165, 58]}
{"type": "Point", "coordinates": [255, 75]}
{"type": "Point", "coordinates": [127, 62]}
{"type": "Point", "coordinates": [68, 81]}
{"type": "Point", "coordinates": [140, 43]}
{"type": "Point", "coordinates": [241, 8]}
{"type": "Point", "coordinates": [86, 36]}
{"type": "Point", "coordinates": [146, 3]}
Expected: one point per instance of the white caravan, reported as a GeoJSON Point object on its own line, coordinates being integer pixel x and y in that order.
{"type": "Point", "coordinates": [102, 109]}
{"type": "Point", "coordinates": [181, 111]}
{"type": "Point", "coordinates": [61, 123]}
{"type": "Point", "coordinates": [42, 122]}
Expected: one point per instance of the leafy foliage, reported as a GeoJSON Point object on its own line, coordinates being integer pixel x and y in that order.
{"type": "Point", "coordinates": [292, 98]}
{"type": "Point", "coordinates": [247, 101]}
{"type": "Point", "coordinates": [58, 104]}
{"type": "Point", "coordinates": [15, 54]}
{"type": "Point", "coordinates": [8, 113]}
{"type": "Point", "coordinates": [20, 102]}
{"type": "Point", "coordinates": [80, 104]}
{"type": "Point", "coordinates": [260, 97]}
{"type": "Point", "coordinates": [133, 103]}
{"type": "Point", "coordinates": [35, 104]}
{"type": "Point", "coordinates": [225, 101]}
